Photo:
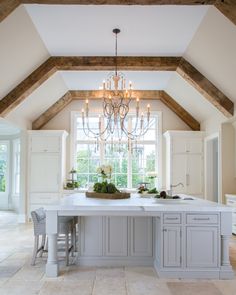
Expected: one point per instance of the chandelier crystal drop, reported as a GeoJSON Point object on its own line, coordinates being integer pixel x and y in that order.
{"type": "Point", "coordinates": [116, 107]}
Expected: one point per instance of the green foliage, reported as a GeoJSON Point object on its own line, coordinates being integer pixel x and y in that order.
{"type": "Point", "coordinates": [105, 187]}
{"type": "Point", "coordinates": [153, 191]}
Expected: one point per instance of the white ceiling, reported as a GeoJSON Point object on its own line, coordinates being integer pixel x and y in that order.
{"type": "Point", "coordinates": [93, 79]}
{"type": "Point", "coordinates": [145, 30]}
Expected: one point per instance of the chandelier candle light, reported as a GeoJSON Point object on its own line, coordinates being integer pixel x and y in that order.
{"type": "Point", "coordinates": [116, 106]}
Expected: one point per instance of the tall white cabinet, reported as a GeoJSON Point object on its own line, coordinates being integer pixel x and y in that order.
{"type": "Point", "coordinates": [46, 167]}
{"type": "Point", "coordinates": [184, 161]}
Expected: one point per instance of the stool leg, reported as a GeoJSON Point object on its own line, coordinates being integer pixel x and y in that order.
{"type": "Point", "coordinates": [67, 248]}
{"type": "Point", "coordinates": [35, 251]}
{"type": "Point", "coordinates": [42, 245]}
{"type": "Point", "coordinates": [72, 240]}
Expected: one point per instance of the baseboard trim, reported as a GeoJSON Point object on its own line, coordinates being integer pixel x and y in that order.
{"type": "Point", "coordinates": [114, 261]}
{"type": "Point", "coordinates": [193, 273]}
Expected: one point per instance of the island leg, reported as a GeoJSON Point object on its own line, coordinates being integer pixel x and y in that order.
{"type": "Point", "coordinates": [52, 231]}
{"type": "Point", "coordinates": [226, 232]}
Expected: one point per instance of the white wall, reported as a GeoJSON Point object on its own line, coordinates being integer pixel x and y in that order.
{"type": "Point", "coordinates": [213, 51]}
{"type": "Point", "coordinates": [170, 121]}
{"type": "Point", "coordinates": [21, 49]}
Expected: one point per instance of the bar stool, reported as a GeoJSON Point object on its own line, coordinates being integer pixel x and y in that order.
{"type": "Point", "coordinates": [65, 231]}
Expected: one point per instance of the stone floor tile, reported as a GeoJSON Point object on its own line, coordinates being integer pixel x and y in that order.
{"type": "Point", "coordinates": [80, 273]}
{"type": "Point", "coordinates": [147, 287]}
{"type": "Point", "coordinates": [8, 271]}
{"type": "Point", "coordinates": [113, 272]}
{"type": "Point", "coordinates": [227, 287]}
{"type": "Point", "coordinates": [190, 288]}
{"type": "Point", "coordinates": [109, 286]}
{"type": "Point", "coordinates": [20, 288]}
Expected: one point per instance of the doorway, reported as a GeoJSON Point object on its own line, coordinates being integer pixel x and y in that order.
{"type": "Point", "coordinates": [212, 169]}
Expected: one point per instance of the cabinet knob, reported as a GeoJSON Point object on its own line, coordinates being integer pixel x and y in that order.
{"type": "Point", "coordinates": [164, 229]}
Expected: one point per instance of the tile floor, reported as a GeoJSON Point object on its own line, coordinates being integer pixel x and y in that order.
{"type": "Point", "coordinates": [18, 277]}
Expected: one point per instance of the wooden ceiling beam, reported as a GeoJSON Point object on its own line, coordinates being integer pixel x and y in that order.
{"type": "Point", "coordinates": [206, 88]}
{"type": "Point", "coordinates": [7, 7]}
{"type": "Point", "coordinates": [227, 7]}
{"type": "Point", "coordinates": [180, 111]}
{"type": "Point", "coordinates": [125, 63]}
{"type": "Point", "coordinates": [53, 64]}
{"type": "Point", "coordinates": [98, 94]}
{"type": "Point", "coordinates": [26, 87]}
{"type": "Point", "coordinates": [52, 111]}
{"type": "Point", "coordinates": [57, 107]}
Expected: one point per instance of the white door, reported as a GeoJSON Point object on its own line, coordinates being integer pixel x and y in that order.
{"type": "Point", "coordinates": [172, 246]}
{"type": "Point", "coordinates": [194, 176]}
{"type": "Point", "coordinates": [179, 171]}
{"type": "Point", "coordinates": [4, 174]}
{"type": "Point", "coordinates": [45, 171]}
{"type": "Point", "coordinates": [202, 246]}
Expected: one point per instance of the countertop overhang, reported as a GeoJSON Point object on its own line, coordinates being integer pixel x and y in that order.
{"type": "Point", "coordinates": [136, 205]}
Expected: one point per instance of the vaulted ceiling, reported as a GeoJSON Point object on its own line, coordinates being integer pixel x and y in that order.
{"type": "Point", "coordinates": [200, 33]}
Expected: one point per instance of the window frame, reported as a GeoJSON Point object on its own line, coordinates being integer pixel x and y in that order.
{"type": "Point", "coordinates": [16, 152]}
{"type": "Point", "coordinates": [158, 145]}
{"type": "Point", "coordinates": [7, 190]}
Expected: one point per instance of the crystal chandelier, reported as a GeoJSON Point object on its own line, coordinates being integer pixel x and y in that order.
{"type": "Point", "coordinates": [116, 107]}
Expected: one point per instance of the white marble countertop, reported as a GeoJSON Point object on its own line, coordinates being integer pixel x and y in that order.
{"type": "Point", "coordinates": [79, 202]}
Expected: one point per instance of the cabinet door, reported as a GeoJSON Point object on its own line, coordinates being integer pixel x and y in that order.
{"type": "Point", "coordinates": [91, 236]}
{"type": "Point", "coordinates": [194, 176]}
{"type": "Point", "coordinates": [44, 172]}
{"type": "Point", "coordinates": [194, 145]}
{"type": "Point", "coordinates": [116, 243]}
{"type": "Point", "coordinates": [42, 143]}
{"type": "Point", "coordinates": [202, 246]}
{"type": "Point", "coordinates": [141, 236]}
{"type": "Point", "coordinates": [178, 172]}
{"type": "Point", "coordinates": [172, 246]}
{"type": "Point", "coordinates": [179, 145]}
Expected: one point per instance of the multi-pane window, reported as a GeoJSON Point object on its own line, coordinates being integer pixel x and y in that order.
{"type": "Point", "coordinates": [130, 162]}
{"type": "Point", "coordinates": [4, 150]}
{"type": "Point", "coordinates": [16, 167]}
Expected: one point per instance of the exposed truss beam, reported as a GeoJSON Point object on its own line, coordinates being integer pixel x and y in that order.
{"type": "Point", "coordinates": [53, 64]}
{"type": "Point", "coordinates": [206, 88]}
{"type": "Point", "coordinates": [180, 111]}
{"type": "Point", "coordinates": [97, 95]}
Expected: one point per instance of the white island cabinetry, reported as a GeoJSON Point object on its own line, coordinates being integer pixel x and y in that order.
{"type": "Point", "coordinates": [46, 167]}
{"type": "Point", "coordinates": [112, 237]}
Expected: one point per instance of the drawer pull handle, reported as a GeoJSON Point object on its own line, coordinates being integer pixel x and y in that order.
{"type": "Point", "coordinates": [201, 218]}
{"type": "Point", "coordinates": [232, 202]}
{"type": "Point", "coordinates": [172, 218]}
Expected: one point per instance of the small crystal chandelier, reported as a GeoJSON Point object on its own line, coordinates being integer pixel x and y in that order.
{"type": "Point", "coordinates": [116, 106]}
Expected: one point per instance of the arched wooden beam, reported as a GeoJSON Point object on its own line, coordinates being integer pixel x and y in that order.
{"type": "Point", "coordinates": [103, 63]}
{"type": "Point", "coordinates": [57, 107]}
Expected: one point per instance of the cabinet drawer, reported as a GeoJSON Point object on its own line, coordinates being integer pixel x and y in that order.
{"type": "Point", "coordinates": [172, 218]}
{"type": "Point", "coordinates": [44, 198]}
{"type": "Point", "coordinates": [202, 218]}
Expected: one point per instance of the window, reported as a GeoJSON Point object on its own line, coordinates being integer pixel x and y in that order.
{"type": "Point", "coordinates": [4, 151]}
{"type": "Point", "coordinates": [130, 163]}
{"type": "Point", "coordinates": [16, 167]}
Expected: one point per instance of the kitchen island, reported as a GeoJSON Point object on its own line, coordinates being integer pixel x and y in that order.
{"type": "Point", "coordinates": [182, 238]}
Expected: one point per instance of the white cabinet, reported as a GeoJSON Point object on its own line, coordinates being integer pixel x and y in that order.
{"type": "Point", "coordinates": [231, 201]}
{"type": "Point", "coordinates": [116, 236]}
{"type": "Point", "coordinates": [44, 172]}
{"type": "Point", "coordinates": [46, 167]}
{"type": "Point", "coordinates": [172, 246]}
{"type": "Point", "coordinates": [91, 236]}
{"type": "Point", "coordinates": [202, 246]}
{"type": "Point", "coordinates": [184, 162]}
{"type": "Point", "coordinates": [141, 236]}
